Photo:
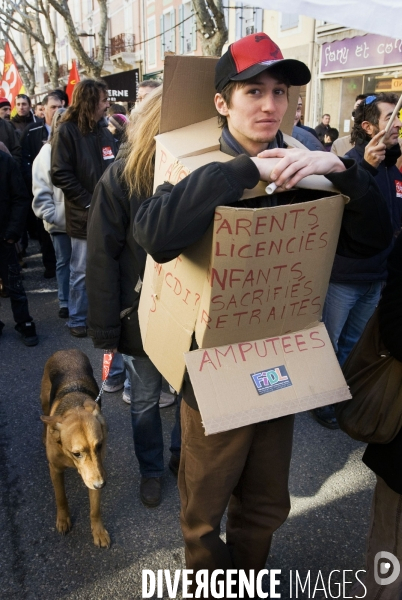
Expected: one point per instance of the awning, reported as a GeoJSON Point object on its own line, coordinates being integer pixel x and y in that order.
{"type": "Point", "coordinates": [373, 16]}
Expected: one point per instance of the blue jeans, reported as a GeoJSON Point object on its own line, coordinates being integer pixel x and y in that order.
{"type": "Point", "coordinates": [117, 373]}
{"type": "Point", "coordinates": [347, 308]}
{"type": "Point", "coordinates": [146, 386]}
{"type": "Point", "coordinates": [77, 299]}
{"type": "Point", "coordinates": [62, 249]}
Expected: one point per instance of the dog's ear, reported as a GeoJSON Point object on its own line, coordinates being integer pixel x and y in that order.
{"type": "Point", "coordinates": [54, 421]}
{"type": "Point", "coordinates": [92, 407]}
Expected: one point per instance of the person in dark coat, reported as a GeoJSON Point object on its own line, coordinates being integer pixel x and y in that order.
{"type": "Point", "coordinates": [82, 150]}
{"type": "Point", "coordinates": [385, 460]}
{"type": "Point", "coordinates": [25, 115]}
{"type": "Point", "coordinates": [116, 265]}
{"type": "Point", "coordinates": [14, 205]}
{"type": "Point", "coordinates": [8, 135]}
{"type": "Point", "coordinates": [355, 285]}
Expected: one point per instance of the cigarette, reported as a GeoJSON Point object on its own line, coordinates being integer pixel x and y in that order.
{"type": "Point", "coordinates": [271, 188]}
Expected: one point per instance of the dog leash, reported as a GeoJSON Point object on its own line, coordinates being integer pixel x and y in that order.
{"type": "Point", "coordinates": [107, 363]}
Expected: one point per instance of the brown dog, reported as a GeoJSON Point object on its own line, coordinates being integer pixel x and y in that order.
{"type": "Point", "coordinates": [75, 433]}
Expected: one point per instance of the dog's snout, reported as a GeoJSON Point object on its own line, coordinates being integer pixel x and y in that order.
{"type": "Point", "coordinates": [98, 485]}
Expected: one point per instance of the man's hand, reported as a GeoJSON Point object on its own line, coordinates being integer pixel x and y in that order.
{"type": "Point", "coordinates": [374, 153]}
{"type": "Point", "coordinates": [295, 164]}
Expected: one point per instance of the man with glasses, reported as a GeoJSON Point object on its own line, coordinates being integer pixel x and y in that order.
{"type": "Point", "coordinates": [355, 284]}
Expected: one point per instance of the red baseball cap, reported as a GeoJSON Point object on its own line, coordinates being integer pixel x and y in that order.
{"type": "Point", "coordinates": [253, 54]}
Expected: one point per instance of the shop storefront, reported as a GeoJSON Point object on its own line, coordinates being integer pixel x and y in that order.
{"type": "Point", "coordinates": [365, 64]}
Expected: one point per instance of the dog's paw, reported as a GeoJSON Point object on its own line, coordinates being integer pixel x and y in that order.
{"type": "Point", "coordinates": [63, 524]}
{"type": "Point", "coordinates": [101, 537]}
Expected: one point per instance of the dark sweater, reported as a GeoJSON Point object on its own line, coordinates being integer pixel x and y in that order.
{"type": "Point", "coordinates": [374, 268]}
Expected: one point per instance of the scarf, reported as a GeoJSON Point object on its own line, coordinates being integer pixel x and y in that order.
{"type": "Point", "coordinates": [231, 146]}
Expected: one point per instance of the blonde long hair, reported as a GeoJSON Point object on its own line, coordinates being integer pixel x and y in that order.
{"type": "Point", "coordinates": [138, 172]}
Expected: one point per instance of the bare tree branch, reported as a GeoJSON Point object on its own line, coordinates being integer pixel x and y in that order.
{"type": "Point", "coordinates": [211, 25]}
{"type": "Point", "coordinates": [93, 66]}
{"type": "Point", "coordinates": [30, 22]}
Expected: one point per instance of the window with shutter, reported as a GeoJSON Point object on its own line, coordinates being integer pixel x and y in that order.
{"type": "Point", "coordinates": [289, 21]}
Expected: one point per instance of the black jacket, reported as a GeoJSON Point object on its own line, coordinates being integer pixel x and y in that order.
{"type": "Point", "coordinates": [386, 459]}
{"type": "Point", "coordinates": [9, 137]}
{"type": "Point", "coordinates": [321, 131]}
{"type": "Point", "coordinates": [78, 162]}
{"type": "Point", "coordinates": [114, 264]}
{"type": "Point", "coordinates": [176, 217]}
{"type": "Point", "coordinates": [32, 139]}
{"type": "Point", "coordinates": [350, 270]}
{"type": "Point", "coordinates": [20, 123]}
{"type": "Point", "coordinates": [14, 199]}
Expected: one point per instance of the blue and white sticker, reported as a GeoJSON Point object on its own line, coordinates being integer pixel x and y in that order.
{"type": "Point", "coordinates": [271, 380]}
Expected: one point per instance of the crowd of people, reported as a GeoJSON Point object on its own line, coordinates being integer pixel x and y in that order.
{"type": "Point", "coordinates": [79, 179]}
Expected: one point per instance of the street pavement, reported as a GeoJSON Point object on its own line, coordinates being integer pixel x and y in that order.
{"type": "Point", "coordinates": [330, 489]}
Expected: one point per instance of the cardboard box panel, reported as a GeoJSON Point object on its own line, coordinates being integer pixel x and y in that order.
{"type": "Point", "coordinates": [169, 305]}
{"type": "Point", "coordinates": [188, 91]}
{"type": "Point", "coordinates": [244, 383]}
{"type": "Point", "coordinates": [269, 270]}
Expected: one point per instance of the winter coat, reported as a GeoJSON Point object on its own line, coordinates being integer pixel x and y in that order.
{"type": "Point", "coordinates": [115, 263]}
{"type": "Point", "coordinates": [48, 200]}
{"type": "Point", "coordinates": [77, 163]}
{"type": "Point", "coordinates": [9, 137]}
{"type": "Point", "coordinates": [386, 459]}
{"type": "Point", "coordinates": [14, 199]}
{"type": "Point", "coordinates": [20, 123]}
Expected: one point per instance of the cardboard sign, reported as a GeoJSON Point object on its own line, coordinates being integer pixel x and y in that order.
{"type": "Point", "coordinates": [257, 272]}
{"type": "Point", "coordinates": [249, 382]}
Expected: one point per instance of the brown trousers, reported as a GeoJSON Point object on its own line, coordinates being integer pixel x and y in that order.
{"type": "Point", "coordinates": [247, 468]}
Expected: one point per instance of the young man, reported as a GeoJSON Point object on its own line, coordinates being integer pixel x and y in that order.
{"type": "Point", "coordinates": [24, 116]}
{"type": "Point", "coordinates": [249, 466]}
{"type": "Point", "coordinates": [355, 285]}
{"type": "Point", "coordinates": [82, 150]}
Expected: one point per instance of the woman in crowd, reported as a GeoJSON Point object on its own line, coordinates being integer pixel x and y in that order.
{"type": "Point", "coordinates": [48, 204]}
{"type": "Point", "coordinates": [115, 267]}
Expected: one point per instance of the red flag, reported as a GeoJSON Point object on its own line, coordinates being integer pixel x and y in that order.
{"type": "Point", "coordinates": [11, 84]}
{"type": "Point", "coordinates": [73, 79]}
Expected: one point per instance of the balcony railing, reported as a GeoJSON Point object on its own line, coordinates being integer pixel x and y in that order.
{"type": "Point", "coordinates": [93, 53]}
{"type": "Point", "coordinates": [124, 42]}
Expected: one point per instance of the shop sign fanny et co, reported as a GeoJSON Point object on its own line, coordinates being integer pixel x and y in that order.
{"type": "Point", "coordinates": [360, 52]}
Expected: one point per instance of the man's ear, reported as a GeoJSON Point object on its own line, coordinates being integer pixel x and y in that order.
{"type": "Point", "coordinates": [221, 105]}
{"type": "Point", "coordinates": [368, 128]}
